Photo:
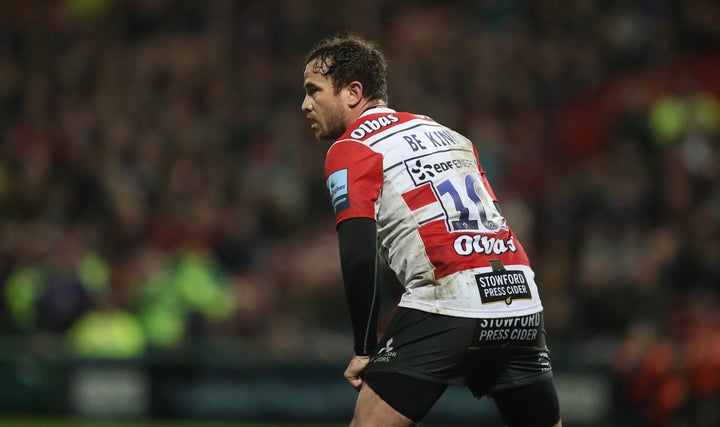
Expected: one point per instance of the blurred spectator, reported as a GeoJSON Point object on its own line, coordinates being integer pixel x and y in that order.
{"type": "Point", "coordinates": [105, 332]}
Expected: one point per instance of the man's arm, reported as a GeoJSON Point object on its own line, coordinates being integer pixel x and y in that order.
{"type": "Point", "coordinates": [358, 260]}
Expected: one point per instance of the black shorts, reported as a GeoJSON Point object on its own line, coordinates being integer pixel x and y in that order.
{"type": "Point", "coordinates": [426, 352]}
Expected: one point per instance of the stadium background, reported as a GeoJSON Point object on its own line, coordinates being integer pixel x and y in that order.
{"type": "Point", "coordinates": [166, 246]}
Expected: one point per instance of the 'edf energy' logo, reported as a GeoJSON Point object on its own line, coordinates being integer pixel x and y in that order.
{"type": "Point", "coordinates": [430, 166]}
{"type": "Point", "coordinates": [422, 171]}
{"type": "Point", "coordinates": [337, 184]}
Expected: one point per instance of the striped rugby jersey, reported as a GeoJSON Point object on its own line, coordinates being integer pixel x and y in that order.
{"type": "Point", "coordinates": [438, 227]}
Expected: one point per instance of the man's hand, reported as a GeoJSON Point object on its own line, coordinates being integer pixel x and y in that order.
{"type": "Point", "coordinates": [352, 373]}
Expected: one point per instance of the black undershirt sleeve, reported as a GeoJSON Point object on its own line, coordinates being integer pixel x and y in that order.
{"type": "Point", "coordinates": [358, 260]}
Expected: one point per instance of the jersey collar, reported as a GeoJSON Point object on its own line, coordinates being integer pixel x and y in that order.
{"type": "Point", "coordinates": [378, 109]}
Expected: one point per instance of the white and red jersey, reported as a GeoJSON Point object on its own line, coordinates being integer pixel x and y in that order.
{"type": "Point", "coordinates": [438, 227]}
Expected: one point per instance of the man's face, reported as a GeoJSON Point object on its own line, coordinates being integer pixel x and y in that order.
{"type": "Point", "coordinates": [323, 106]}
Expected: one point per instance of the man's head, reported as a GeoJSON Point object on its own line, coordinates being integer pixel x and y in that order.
{"type": "Point", "coordinates": [343, 76]}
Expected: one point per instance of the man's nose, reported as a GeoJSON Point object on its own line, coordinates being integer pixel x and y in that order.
{"type": "Point", "coordinates": [306, 105]}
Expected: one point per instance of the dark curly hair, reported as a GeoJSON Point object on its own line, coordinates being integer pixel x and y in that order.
{"type": "Point", "coordinates": [348, 57]}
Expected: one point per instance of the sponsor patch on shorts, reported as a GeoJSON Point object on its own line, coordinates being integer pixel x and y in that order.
{"type": "Point", "coordinates": [505, 285]}
{"type": "Point", "coordinates": [522, 330]}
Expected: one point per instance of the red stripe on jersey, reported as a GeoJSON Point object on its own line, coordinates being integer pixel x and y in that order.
{"type": "Point", "coordinates": [364, 177]}
{"type": "Point", "coordinates": [477, 249]}
{"type": "Point", "coordinates": [419, 197]}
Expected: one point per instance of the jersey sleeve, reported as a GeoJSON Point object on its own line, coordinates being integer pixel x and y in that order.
{"type": "Point", "coordinates": [354, 176]}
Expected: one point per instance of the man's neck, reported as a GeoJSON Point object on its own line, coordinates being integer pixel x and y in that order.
{"type": "Point", "coordinates": [362, 107]}
{"type": "Point", "coordinates": [373, 105]}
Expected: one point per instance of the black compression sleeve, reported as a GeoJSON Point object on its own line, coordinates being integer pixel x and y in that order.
{"type": "Point", "coordinates": [358, 260]}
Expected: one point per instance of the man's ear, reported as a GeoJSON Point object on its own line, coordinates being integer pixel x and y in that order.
{"type": "Point", "coordinates": [354, 93]}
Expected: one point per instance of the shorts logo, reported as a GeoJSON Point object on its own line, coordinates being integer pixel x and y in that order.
{"type": "Point", "coordinates": [385, 353]}
{"type": "Point", "coordinates": [504, 285]}
{"type": "Point", "coordinates": [337, 184]}
{"type": "Point", "coordinates": [387, 348]}
{"type": "Point", "coordinates": [524, 329]}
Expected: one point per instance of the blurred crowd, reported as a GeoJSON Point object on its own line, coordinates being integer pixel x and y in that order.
{"type": "Point", "coordinates": [159, 183]}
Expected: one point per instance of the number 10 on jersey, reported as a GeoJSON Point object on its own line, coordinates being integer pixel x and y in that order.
{"type": "Point", "coordinates": [469, 207]}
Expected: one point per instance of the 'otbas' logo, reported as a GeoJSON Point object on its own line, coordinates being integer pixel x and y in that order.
{"type": "Point", "coordinates": [369, 126]}
{"type": "Point", "coordinates": [481, 244]}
